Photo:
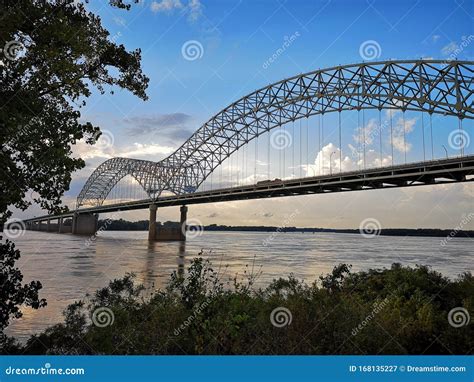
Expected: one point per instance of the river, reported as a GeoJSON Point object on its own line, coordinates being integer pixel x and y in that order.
{"type": "Point", "coordinates": [70, 266]}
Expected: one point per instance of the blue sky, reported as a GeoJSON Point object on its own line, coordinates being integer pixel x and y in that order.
{"type": "Point", "coordinates": [234, 42]}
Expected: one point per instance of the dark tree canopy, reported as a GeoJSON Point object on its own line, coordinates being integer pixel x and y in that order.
{"type": "Point", "coordinates": [12, 293]}
{"type": "Point", "coordinates": [54, 53]}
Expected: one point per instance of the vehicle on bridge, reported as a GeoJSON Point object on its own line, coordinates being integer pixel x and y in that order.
{"type": "Point", "coordinates": [269, 182]}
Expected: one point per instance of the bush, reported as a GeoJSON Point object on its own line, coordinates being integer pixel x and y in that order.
{"type": "Point", "coordinates": [400, 310]}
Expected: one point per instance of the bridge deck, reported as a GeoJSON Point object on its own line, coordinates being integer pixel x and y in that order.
{"type": "Point", "coordinates": [413, 174]}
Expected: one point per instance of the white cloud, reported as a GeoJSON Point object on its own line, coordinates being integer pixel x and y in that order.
{"type": "Point", "coordinates": [193, 8]}
{"type": "Point", "coordinates": [137, 151]}
{"type": "Point", "coordinates": [448, 49]}
{"type": "Point", "coordinates": [165, 6]}
{"type": "Point", "coordinates": [143, 149]}
{"type": "Point", "coordinates": [400, 134]}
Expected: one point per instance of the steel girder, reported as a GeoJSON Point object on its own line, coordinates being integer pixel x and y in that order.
{"type": "Point", "coordinates": [432, 86]}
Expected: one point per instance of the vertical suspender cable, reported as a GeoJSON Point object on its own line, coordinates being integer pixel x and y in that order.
{"type": "Point", "coordinates": [423, 135]}
{"type": "Point", "coordinates": [358, 139]}
{"type": "Point", "coordinates": [340, 142]}
{"type": "Point", "coordinates": [431, 135]}
{"type": "Point", "coordinates": [268, 154]}
{"type": "Point", "coordinates": [284, 160]}
{"type": "Point", "coordinates": [307, 147]}
{"type": "Point", "coordinates": [404, 137]}
{"type": "Point", "coordinates": [256, 159]}
{"type": "Point", "coordinates": [322, 144]}
{"type": "Point", "coordinates": [391, 132]}
{"type": "Point", "coordinates": [301, 148]}
{"type": "Point", "coordinates": [293, 150]}
{"type": "Point", "coordinates": [363, 135]}
{"type": "Point", "coordinates": [380, 137]}
{"type": "Point", "coordinates": [319, 143]}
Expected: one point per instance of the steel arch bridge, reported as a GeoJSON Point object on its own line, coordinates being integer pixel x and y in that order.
{"type": "Point", "coordinates": [432, 86]}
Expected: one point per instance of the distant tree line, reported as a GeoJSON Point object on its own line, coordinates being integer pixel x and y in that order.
{"type": "Point", "coordinates": [142, 225]}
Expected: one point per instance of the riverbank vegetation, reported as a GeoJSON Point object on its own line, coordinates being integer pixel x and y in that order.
{"type": "Point", "coordinates": [400, 310]}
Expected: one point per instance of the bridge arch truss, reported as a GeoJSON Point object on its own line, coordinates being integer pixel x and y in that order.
{"type": "Point", "coordinates": [431, 86]}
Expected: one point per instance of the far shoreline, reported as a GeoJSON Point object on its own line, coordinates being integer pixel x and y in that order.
{"type": "Point", "coordinates": [142, 225]}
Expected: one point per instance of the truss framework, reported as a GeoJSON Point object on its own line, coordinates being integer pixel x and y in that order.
{"type": "Point", "coordinates": [432, 86]}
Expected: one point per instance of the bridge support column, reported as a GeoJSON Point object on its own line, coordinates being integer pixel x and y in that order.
{"type": "Point", "coordinates": [48, 225]}
{"type": "Point", "coordinates": [84, 224]}
{"type": "Point", "coordinates": [182, 221]}
{"type": "Point", "coordinates": [152, 223]}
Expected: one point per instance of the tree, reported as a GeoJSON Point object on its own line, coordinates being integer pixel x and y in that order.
{"type": "Point", "coordinates": [12, 293]}
{"type": "Point", "coordinates": [54, 52]}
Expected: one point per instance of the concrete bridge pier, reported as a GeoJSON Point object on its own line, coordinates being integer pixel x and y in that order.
{"type": "Point", "coordinates": [182, 222]}
{"type": "Point", "coordinates": [167, 231]}
{"type": "Point", "coordinates": [85, 224]}
{"type": "Point", "coordinates": [152, 223]}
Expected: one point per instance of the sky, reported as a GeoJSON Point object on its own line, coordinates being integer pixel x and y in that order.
{"type": "Point", "coordinates": [202, 55]}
